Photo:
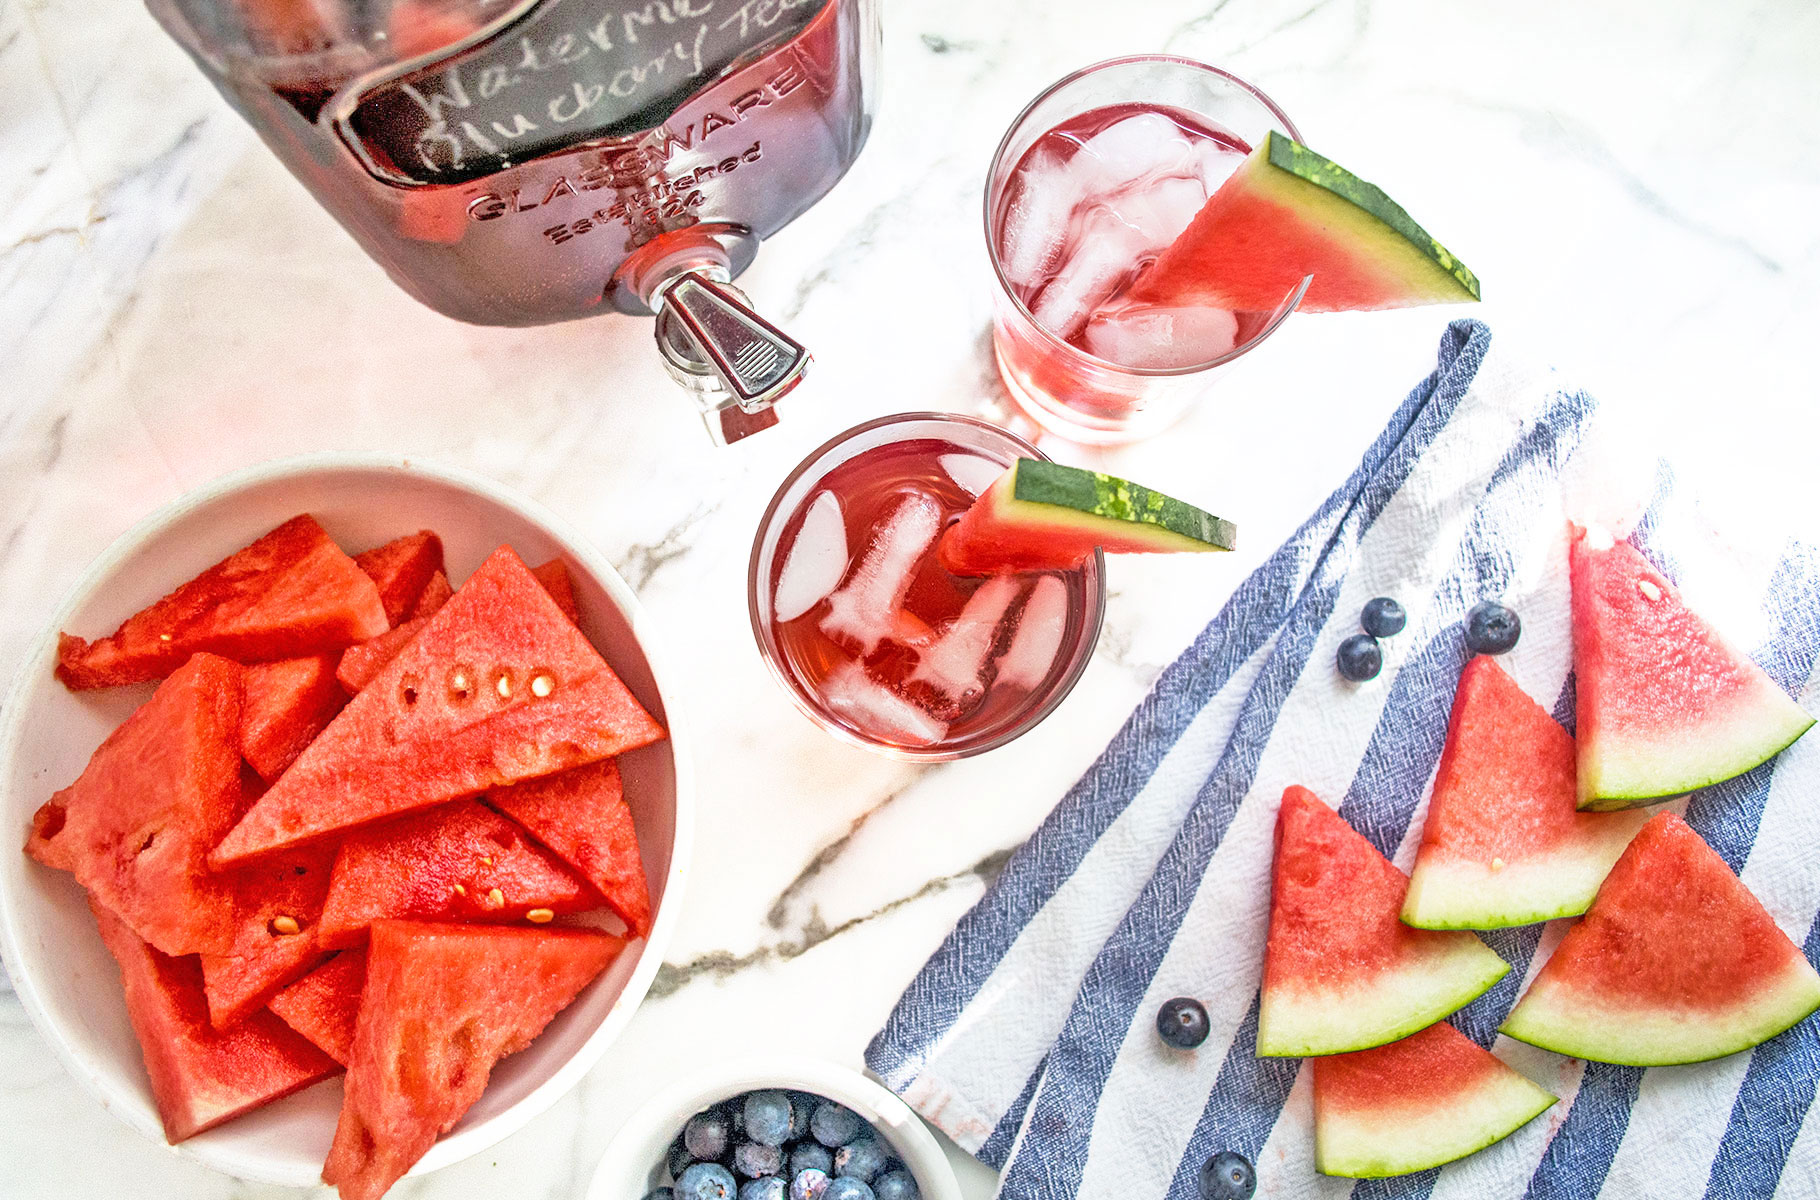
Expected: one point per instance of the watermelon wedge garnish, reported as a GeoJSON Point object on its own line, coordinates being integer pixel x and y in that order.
{"type": "Point", "coordinates": [275, 911]}
{"type": "Point", "coordinates": [287, 704]}
{"type": "Point", "coordinates": [1428, 1099]}
{"type": "Point", "coordinates": [1341, 972]}
{"type": "Point", "coordinates": [401, 569]}
{"type": "Point", "coordinates": [582, 815]}
{"type": "Point", "coordinates": [289, 594]}
{"type": "Point", "coordinates": [1287, 213]}
{"type": "Point", "coordinates": [499, 686]}
{"type": "Point", "coordinates": [1665, 704]}
{"type": "Point", "coordinates": [324, 1005]}
{"type": "Point", "coordinates": [1043, 516]}
{"type": "Point", "coordinates": [1503, 844]}
{"type": "Point", "coordinates": [202, 1076]}
{"type": "Point", "coordinates": [442, 1004]}
{"type": "Point", "coordinates": [1675, 962]}
{"type": "Point", "coordinates": [457, 862]}
{"type": "Point", "coordinates": [136, 828]}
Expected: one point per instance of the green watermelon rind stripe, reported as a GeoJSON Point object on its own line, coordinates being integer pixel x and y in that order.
{"type": "Point", "coordinates": [1133, 510]}
{"type": "Point", "coordinates": [1293, 158]}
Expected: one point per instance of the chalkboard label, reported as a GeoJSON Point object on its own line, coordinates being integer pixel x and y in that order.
{"type": "Point", "coordinates": [565, 71]}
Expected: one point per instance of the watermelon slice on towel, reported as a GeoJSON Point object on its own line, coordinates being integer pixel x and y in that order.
{"type": "Point", "coordinates": [1428, 1099]}
{"type": "Point", "coordinates": [1341, 972]}
{"type": "Point", "coordinates": [1675, 962]}
{"type": "Point", "coordinates": [1503, 844]}
{"type": "Point", "coordinates": [1665, 705]}
{"type": "Point", "coordinates": [499, 686]}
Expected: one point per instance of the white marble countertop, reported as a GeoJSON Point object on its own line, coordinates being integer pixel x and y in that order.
{"type": "Point", "coordinates": [1638, 185]}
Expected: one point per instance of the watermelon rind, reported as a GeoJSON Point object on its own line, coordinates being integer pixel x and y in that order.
{"type": "Point", "coordinates": [1123, 511]}
{"type": "Point", "coordinates": [1472, 895]}
{"type": "Point", "coordinates": [1293, 1022]}
{"type": "Point", "coordinates": [1573, 1021]}
{"type": "Point", "coordinates": [1644, 771]}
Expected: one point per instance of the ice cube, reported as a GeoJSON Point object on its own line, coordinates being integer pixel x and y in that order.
{"type": "Point", "coordinates": [1215, 163]}
{"type": "Point", "coordinates": [1159, 211]}
{"type": "Point", "coordinates": [1031, 655]}
{"type": "Point", "coordinates": [816, 561]}
{"type": "Point", "coordinates": [972, 473]}
{"type": "Point", "coordinates": [1128, 150]}
{"type": "Point", "coordinates": [1145, 337]}
{"type": "Point", "coordinates": [953, 665]}
{"type": "Point", "coordinates": [1106, 251]}
{"type": "Point", "coordinates": [875, 709]}
{"type": "Point", "coordinates": [864, 610]}
{"type": "Point", "coordinates": [1036, 219]}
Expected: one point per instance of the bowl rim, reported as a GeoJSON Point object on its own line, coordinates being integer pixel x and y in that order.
{"type": "Point", "coordinates": [667, 1111]}
{"type": "Point", "coordinates": [454, 1147]}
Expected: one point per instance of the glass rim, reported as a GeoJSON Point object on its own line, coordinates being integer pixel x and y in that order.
{"type": "Point", "coordinates": [1092, 623]}
{"type": "Point", "coordinates": [1291, 300]}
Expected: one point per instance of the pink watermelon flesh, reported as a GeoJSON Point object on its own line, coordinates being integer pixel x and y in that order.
{"type": "Point", "coordinates": [1341, 972]}
{"type": "Point", "coordinates": [1431, 1098]}
{"type": "Point", "coordinates": [457, 862]}
{"type": "Point", "coordinates": [1674, 962]}
{"type": "Point", "coordinates": [442, 1004]}
{"type": "Point", "coordinates": [1665, 705]}
{"type": "Point", "coordinates": [582, 815]}
{"type": "Point", "coordinates": [289, 594]}
{"type": "Point", "coordinates": [361, 665]}
{"type": "Point", "coordinates": [201, 1076]}
{"type": "Point", "coordinates": [325, 1004]}
{"type": "Point", "coordinates": [1503, 844]}
{"type": "Point", "coordinates": [554, 575]}
{"type": "Point", "coordinates": [401, 569]}
{"type": "Point", "coordinates": [287, 704]}
{"type": "Point", "coordinates": [498, 687]}
{"type": "Point", "coordinates": [435, 594]}
{"type": "Point", "coordinates": [137, 827]}
{"type": "Point", "coordinates": [266, 953]}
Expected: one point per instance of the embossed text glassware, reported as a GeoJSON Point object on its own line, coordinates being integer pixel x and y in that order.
{"type": "Point", "coordinates": [866, 631]}
{"type": "Point", "coordinates": [1073, 205]}
{"type": "Point", "coordinates": [519, 162]}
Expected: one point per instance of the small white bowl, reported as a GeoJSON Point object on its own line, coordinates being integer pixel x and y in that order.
{"type": "Point", "coordinates": [62, 973]}
{"type": "Point", "coordinates": [634, 1161]}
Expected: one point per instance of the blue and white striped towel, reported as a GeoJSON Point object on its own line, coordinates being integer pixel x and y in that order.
{"type": "Point", "coordinates": [1029, 1037]}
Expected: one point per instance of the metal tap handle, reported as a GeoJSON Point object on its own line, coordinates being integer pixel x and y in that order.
{"type": "Point", "coordinates": [754, 360]}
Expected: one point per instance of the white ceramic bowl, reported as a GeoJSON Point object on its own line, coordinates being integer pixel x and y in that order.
{"type": "Point", "coordinates": [635, 1158]}
{"type": "Point", "coordinates": [59, 968]}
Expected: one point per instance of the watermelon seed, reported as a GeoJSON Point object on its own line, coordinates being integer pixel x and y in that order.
{"type": "Point", "coordinates": [285, 925]}
{"type": "Point", "coordinates": [1497, 864]}
{"type": "Point", "coordinates": [486, 862]}
{"type": "Point", "coordinates": [539, 916]}
{"type": "Point", "coordinates": [459, 687]}
{"type": "Point", "coordinates": [496, 898]}
{"type": "Point", "coordinates": [147, 843]}
{"type": "Point", "coordinates": [1650, 591]}
{"type": "Point", "coordinates": [164, 637]}
{"type": "Point", "coordinates": [504, 686]}
{"type": "Point", "coordinates": [542, 684]}
{"type": "Point", "coordinates": [460, 891]}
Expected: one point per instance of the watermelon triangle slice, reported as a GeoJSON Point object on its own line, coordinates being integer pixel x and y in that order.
{"type": "Point", "coordinates": [435, 594]}
{"type": "Point", "coordinates": [1341, 972]}
{"type": "Point", "coordinates": [554, 575]}
{"type": "Point", "coordinates": [275, 914]}
{"type": "Point", "coordinates": [582, 815]}
{"type": "Point", "coordinates": [1287, 213]}
{"type": "Point", "coordinates": [1665, 705]}
{"type": "Point", "coordinates": [202, 1076]}
{"type": "Point", "coordinates": [325, 1004]}
{"type": "Point", "coordinates": [361, 665]}
{"type": "Point", "coordinates": [442, 1004]}
{"type": "Point", "coordinates": [1675, 962]}
{"type": "Point", "coordinates": [498, 687]}
{"type": "Point", "coordinates": [457, 862]}
{"type": "Point", "coordinates": [1431, 1098]}
{"type": "Point", "coordinates": [1503, 844]}
{"type": "Point", "coordinates": [289, 594]}
{"type": "Point", "coordinates": [137, 826]}
{"type": "Point", "coordinates": [401, 569]}
{"type": "Point", "coordinates": [287, 704]}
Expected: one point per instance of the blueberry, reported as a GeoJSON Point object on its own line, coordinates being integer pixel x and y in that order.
{"type": "Point", "coordinates": [846, 1187]}
{"type": "Point", "coordinates": [1360, 658]}
{"type": "Point", "coordinates": [662, 1193]}
{"type": "Point", "coordinates": [1491, 628]}
{"type": "Point", "coordinates": [1182, 1022]}
{"type": "Point", "coordinates": [707, 1134]}
{"type": "Point", "coordinates": [678, 1159]}
{"type": "Point", "coordinates": [862, 1158]}
{"type": "Point", "coordinates": [706, 1181]}
{"type": "Point", "coordinates": [768, 1117]}
{"type": "Point", "coordinates": [1383, 617]}
{"type": "Point", "coordinates": [1228, 1176]}
{"type": "Point", "coordinates": [755, 1160]}
{"type": "Point", "coordinates": [771, 1187]}
{"type": "Point", "coordinates": [834, 1126]}
{"type": "Point", "coordinates": [802, 1104]}
{"type": "Point", "coordinates": [811, 1156]}
{"type": "Point", "coordinates": [808, 1184]}
{"type": "Point", "coordinates": [895, 1185]}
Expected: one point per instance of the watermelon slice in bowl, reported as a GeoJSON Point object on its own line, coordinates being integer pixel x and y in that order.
{"type": "Point", "coordinates": [47, 935]}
